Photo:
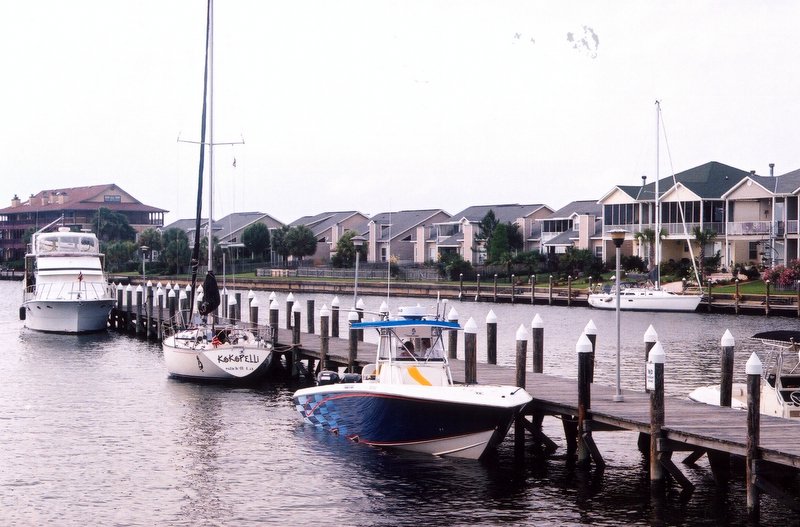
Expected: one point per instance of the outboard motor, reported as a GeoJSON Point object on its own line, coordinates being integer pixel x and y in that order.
{"type": "Point", "coordinates": [326, 377]}
{"type": "Point", "coordinates": [22, 313]}
{"type": "Point", "coordinates": [351, 378]}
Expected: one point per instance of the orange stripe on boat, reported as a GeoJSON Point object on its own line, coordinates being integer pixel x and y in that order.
{"type": "Point", "coordinates": [417, 376]}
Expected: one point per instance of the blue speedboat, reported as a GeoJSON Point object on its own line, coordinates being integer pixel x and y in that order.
{"type": "Point", "coordinates": [406, 399]}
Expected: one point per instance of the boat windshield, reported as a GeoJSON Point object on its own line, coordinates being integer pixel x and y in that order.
{"type": "Point", "coordinates": [412, 343]}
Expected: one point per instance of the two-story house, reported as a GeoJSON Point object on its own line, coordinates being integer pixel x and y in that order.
{"type": "Point", "coordinates": [401, 234]}
{"type": "Point", "coordinates": [576, 225]}
{"type": "Point", "coordinates": [328, 227]}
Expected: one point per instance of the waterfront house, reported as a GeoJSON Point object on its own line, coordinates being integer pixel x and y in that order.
{"type": "Point", "coordinates": [328, 227]}
{"type": "Point", "coordinates": [462, 232]}
{"type": "Point", "coordinates": [402, 234]}
{"type": "Point", "coordinates": [577, 225]}
{"type": "Point", "coordinates": [79, 207]}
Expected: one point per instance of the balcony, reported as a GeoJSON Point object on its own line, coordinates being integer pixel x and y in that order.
{"type": "Point", "coordinates": [750, 228]}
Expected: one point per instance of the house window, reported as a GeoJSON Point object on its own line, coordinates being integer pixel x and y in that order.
{"type": "Point", "coordinates": [112, 198]}
{"type": "Point", "coordinates": [383, 254]}
{"type": "Point", "coordinates": [753, 251]}
{"type": "Point", "coordinates": [598, 251]}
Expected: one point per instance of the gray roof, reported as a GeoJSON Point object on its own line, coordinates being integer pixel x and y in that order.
{"type": "Point", "coordinates": [238, 221]}
{"type": "Point", "coordinates": [403, 220]}
{"type": "Point", "coordinates": [565, 238]}
{"type": "Point", "coordinates": [325, 220]}
{"type": "Point", "coordinates": [578, 207]}
{"type": "Point", "coordinates": [503, 213]}
{"type": "Point", "coordinates": [709, 181]}
{"type": "Point", "coordinates": [185, 225]}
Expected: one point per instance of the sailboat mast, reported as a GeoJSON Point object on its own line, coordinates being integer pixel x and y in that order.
{"type": "Point", "coordinates": [657, 237]}
{"type": "Point", "coordinates": [210, 134]}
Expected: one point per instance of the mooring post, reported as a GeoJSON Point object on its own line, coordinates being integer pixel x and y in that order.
{"type": "Point", "coordinates": [360, 313]}
{"type": "Point", "coordinates": [335, 317]}
{"type": "Point", "coordinates": [569, 290]}
{"type": "Point", "coordinates": [513, 289]}
{"type": "Point", "coordinates": [754, 370]}
{"type": "Point", "coordinates": [233, 308]}
{"type": "Point", "coordinates": [533, 289]}
{"type": "Point", "coordinates": [550, 291]}
{"type": "Point", "coordinates": [766, 299]}
{"type": "Point", "coordinates": [310, 316]}
{"type": "Point", "coordinates": [159, 311]}
{"type": "Point", "coordinates": [537, 343]}
{"type": "Point", "coordinates": [139, 309]}
{"type": "Point", "coordinates": [727, 344]}
{"type": "Point", "coordinates": [655, 385]}
{"type": "Point", "coordinates": [128, 306]}
{"type": "Point", "coordinates": [708, 304]}
{"type": "Point", "coordinates": [183, 302]}
{"type": "Point", "coordinates": [491, 338]}
{"type": "Point", "coordinates": [254, 312]}
{"type": "Point", "coordinates": [149, 309]}
{"type": "Point", "coordinates": [352, 351]}
{"type": "Point", "coordinates": [460, 286]}
{"type": "Point", "coordinates": [324, 325]}
{"type": "Point", "coordinates": [289, 306]}
{"type": "Point", "coordinates": [274, 314]}
{"type": "Point", "coordinates": [591, 333]}
{"type": "Point", "coordinates": [521, 367]}
{"type": "Point", "coordinates": [494, 294]}
{"type": "Point", "coordinates": [225, 303]}
{"type": "Point", "coordinates": [478, 289]}
{"type": "Point", "coordinates": [470, 352]}
{"type": "Point", "coordinates": [736, 298]}
{"type": "Point", "coordinates": [120, 289]}
{"type": "Point", "coordinates": [650, 339]}
{"type": "Point", "coordinates": [452, 337]}
{"type": "Point", "coordinates": [295, 370]}
{"type": "Point", "coordinates": [584, 350]}
{"type": "Point", "coordinates": [171, 301]}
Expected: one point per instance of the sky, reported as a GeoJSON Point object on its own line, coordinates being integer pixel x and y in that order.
{"type": "Point", "coordinates": [382, 105]}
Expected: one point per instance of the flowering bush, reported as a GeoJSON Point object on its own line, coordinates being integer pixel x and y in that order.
{"type": "Point", "coordinates": [785, 276]}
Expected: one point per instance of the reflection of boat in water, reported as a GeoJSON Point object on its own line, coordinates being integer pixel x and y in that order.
{"type": "Point", "coordinates": [65, 289]}
{"type": "Point", "coordinates": [205, 347]}
{"type": "Point", "coordinates": [407, 398]}
{"type": "Point", "coordinates": [780, 384]}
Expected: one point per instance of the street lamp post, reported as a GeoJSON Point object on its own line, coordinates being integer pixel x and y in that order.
{"type": "Point", "coordinates": [358, 242]}
{"type": "Point", "coordinates": [618, 237]}
{"type": "Point", "coordinates": [144, 248]}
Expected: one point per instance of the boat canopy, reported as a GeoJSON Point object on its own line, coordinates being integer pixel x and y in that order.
{"type": "Point", "coordinates": [388, 324]}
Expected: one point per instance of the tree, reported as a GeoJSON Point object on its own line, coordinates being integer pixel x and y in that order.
{"type": "Point", "coordinates": [176, 252]}
{"type": "Point", "coordinates": [112, 226]}
{"type": "Point", "coordinates": [151, 239]}
{"type": "Point", "coordinates": [119, 254]}
{"type": "Point", "coordinates": [280, 244]}
{"type": "Point", "coordinates": [504, 241]}
{"type": "Point", "coordinates": [256, 239]}
{"type": "Point", "coordinates": [487, 226]}
{"type": "Point", "coordinates": [301, 242]}
{"type": "Point", "coordinates": [648, 237]}
{"type": "Point", "coordinates": [703, 237]}
{"type": "Point", "coordinates": [345, 255]}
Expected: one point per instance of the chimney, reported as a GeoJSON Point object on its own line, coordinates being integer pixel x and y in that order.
{"type": "Point", "coordinates": [772, 170]}
{"type": "Point", "coordinates": [44, 198]}
{"type": "Point", "coordinates": [644, 180]}
{"type": "Point", "coordinates": [752, 172]}
{"type": "Point", "coordinates": [15, 201]}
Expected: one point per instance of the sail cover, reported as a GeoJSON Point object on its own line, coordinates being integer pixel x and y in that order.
{"type": "Point", "coordinates": [210, 300]}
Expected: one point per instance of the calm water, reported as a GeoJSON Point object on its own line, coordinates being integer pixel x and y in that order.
{"type": "Point", "coordinates": [93, 432]}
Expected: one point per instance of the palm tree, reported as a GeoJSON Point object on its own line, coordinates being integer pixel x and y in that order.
{"type": "Point", "coordinates": [703, 237]}
{"type": "Point", "coordinates": [648, 237]}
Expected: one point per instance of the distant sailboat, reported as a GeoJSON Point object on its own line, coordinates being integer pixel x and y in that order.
{"type": "Point", "coordinates": [648, 298]}
{"type": "Point", "coordinates": [205, 348]}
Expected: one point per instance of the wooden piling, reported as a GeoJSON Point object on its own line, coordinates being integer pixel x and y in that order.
{"type": "Point", "coordinates": [324, 325]}
{"type": "Point", "coordinates": [650, 339]}
{"type": "Point", "coordinates": [139, 295]}
{"type": "Point", "coordinates": [591, 333]}
{"type": "Point", "coordinates": [310, 316]}
{"type": "Point", "coordinates": [335, 317]}
{"type": "Point", "coordinates": [352, 351]}
{"type": "Point", "coordinates": [171, 305]}
{"type": "Point", "coordinates": [274, 314]}
{"type": "Point", "coordinates": [513, 289]}
{"type": "Point", "coordinates": [494, 294]}
{"type": "Point", "coordinates": [533, 289]}
{"type": "Point", "coordinates": [254, 311]}
{"type": "Point", "coordinates": [296, 324]}
{"type": "Point", "coordinates": [708, 297]}
{"type": "Point", "coordinates": [736, 298]}
{"type": "Point", "coordinates": [478, 288]}
{"type": "Point", "coordinates": [491, 338]}
{"type": "Point", "coordinates": [360, 313]}
{"type": "Point", "coordinates": [766, 299]}
{"type": "Point", "coordinates": [537, 343]}
{"type": "Point", "coordinates": [452, 337]}
{"type": "Point", "coordinates": [550, 291]}
{"type": "Point", "coordinates": [655, 385]}
{"type": "Point", "coordinates": [584, 349]}
{"type": "Point", "coordinates": [470, 352]}
{"type": "Point", "coordinates": [754, 370]}
{"type": "Point", "coordinates": [460, 286]}
{"type": "Point", "coordinates": [289, 306]}
{"type": "Point", "coordinates": [726, 369]}
{"type": "Point", "coordinates": [521, 367]}
{"type": "Point", "coordinates": [569, 291]}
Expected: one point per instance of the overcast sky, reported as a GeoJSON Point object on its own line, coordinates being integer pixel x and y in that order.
{"type": "Point", "coordinates": [377, 106]}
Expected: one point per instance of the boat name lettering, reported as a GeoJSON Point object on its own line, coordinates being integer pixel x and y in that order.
{"type": "Point", "coordinates": [237, 358]}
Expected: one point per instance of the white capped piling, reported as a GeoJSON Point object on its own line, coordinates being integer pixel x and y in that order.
{"type": "Point", "coordinates": [513, 289]}
{"type": "Point", "coordinates": [238, 306]}
{"type": "Point", "coordinates": [655, 385]}
{"type": "Point", "coordinates": [550, 290]}
{"type": "Point", "coordinates": [224, 303]}
{"type": "Point", "coordinates": [569, 291]}
{"type": "Point", "coordinates": [310, 316]}
{"type": "Point", "coordinates": [171, 305]}
{"type": "Point", "coordinates": [452, 337]}
{"type": "Point", "coordinates": [289, 305]}
{"type": "Point", "coordinates": [754, 369]}
{"type": "Point", "coordinates": [533, 289]}
{"type": "Point", "coordinates": [460, 286]}
{"type": "Point", "coordinates": [491, 338]}
{"type": "Point", "coordinates": [120, 289]}
{"type": "Point", "coordinates": [254, 311]}
{"type": "Point", "coordinates": [160, 310]}
{"type": "Point", "coordinates": [727, 343]}
{"type": "Point", "coordinates": [470, 352]}
{"type": "Point", "coordinates": [521, 357]}
{"type": "Point", "coordinates": [650, 339]}
{"type": "Point", "coordinates": [737, 297]}
{"type": "Point", "coordinates": [296, 324]}
{"type": "Point", "coordinates": [149, 330]}
{"type": "Point", "coordinates": [324, 325]}
{"type": "Point", "coordinates": [383, 311]}
{"type": "Point", "coordinates": [591, 333]}
{"type": "Point", "coordinates": [766, 297]}
{"type": "Point", "coordinates": [360, 313]}
{"type": "Point", "coordinates": [335, 317]}
{"type": "Point", "coordinates": [233, 308]}
{"type": "Point", "coordinates": [250, 296]}
{"type": "Point", "coordinates": [352, 350]}
{"type": "Point", "coordinates": [274, 314]}
{"type": "Point", "coordinates": [139, 294]}
{"type": "Point", "coordinates": [478, 287]}
{"type": "Point", "coordinates": [494, 294]}
{"type": "Point", "coordinates": [584, 350]}
{"type": "Point", "coordinates": [537, 343]}
{"type": "Point", "coordinates": [129, 301]}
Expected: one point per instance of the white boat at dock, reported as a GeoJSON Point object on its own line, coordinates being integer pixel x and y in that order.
{"type": "Point", "coordinates": [65, 289]}
{"type": "Point", "coordinates": [407, 400]}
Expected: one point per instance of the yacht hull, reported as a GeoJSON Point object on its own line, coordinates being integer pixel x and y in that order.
{"type": "Point", "coordinates": [647, 300]}
{"type": "Point", "coordinates": [67, 316]}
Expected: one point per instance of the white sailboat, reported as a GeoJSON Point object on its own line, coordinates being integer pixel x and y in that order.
{"type": "Point", "coordinates": [651, 297]}
{"type": "Point", "coordinates": [205, 347]}
{"type": "Point", "coordinates": [65, 289]}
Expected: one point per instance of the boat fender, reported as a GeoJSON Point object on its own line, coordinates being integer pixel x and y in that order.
{"type": "Point", "coordinates": [326, 377]}
{"type": "Point", "coordinates": [22, 313]}
{"type": "Point", "coordinates": [351, 378]}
